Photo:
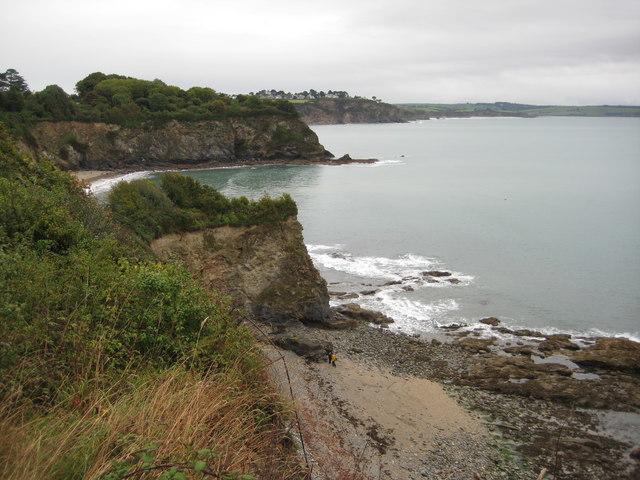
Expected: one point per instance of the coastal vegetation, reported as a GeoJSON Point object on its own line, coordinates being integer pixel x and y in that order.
{"type": "Point", "coordinates": [182, 204]}
{"type": "Point", "coordinates": [122, 100]}
{"type": "Point", "coordinates": [114, 364]}
{"type": "Point", "coordinates": [307, 95]}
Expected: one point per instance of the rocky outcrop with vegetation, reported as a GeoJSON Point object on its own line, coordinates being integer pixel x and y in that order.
{"type": "Point", "coordinates": [101, 146]}
{"type": "Point", "coordinates": [265, 268]}
{"type": "Point", "coordinates": [352, 110]}
{"type": "Point", "coordinates": [119, 122]}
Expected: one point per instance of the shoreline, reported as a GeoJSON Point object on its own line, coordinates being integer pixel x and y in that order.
{"type": "Point", "coordinates": [89, 176]}
{"type": "Point", "coordinates": [362, 421]}
{"type": "Point", "coordinates": [522, 431]}
{"type": "Point", "coordinates": [534, 410]}
{"type": "Point", "coordinates": [504, 334]}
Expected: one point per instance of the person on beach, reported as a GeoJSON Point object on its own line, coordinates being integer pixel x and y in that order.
{"type": "Point", "coordinates": [332, 359]}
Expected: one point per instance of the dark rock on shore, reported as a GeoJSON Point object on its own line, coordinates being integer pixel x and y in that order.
{"type": "Point", "coordinates": [613, 354]}
{"type": "Point", "coordinates": [309, 349]}
{"type": "Point", "coordinates": [475, 345]}
{"type": "Point", "coordinates": [356, 312]}
{"type": "Point", "coordinates": [453, 326]}
{"type": "Point", "coordinates": [519, 350]}
{"type": "Point", "coordinates": [436, 273]}
{"type": "Point", "coordinates": [346, 158]}
{"type": "Point", "coordinates": [490, 321]}
{"type": "Point", "coordinates": [369, 292]}
{"type": "Point", "coordinates": [555, 343]}
{"type": "Point", "coordinates": [527, 333]}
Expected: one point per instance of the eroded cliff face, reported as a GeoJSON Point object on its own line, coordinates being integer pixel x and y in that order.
{"type": "Point", "coordinates": [265, 268]}
{"type": "Point", "coordinates": [100, 146]}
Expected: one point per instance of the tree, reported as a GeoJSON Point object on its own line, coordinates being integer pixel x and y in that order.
{"type": "Point", "coordinates": [87, 84]}
{"type": "Point", "coordinates": [56, 103]}
{"type": "Point", "coordinates": [12, 80]}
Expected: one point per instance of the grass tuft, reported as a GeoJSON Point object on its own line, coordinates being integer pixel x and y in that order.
{"type": "Point", "coordinates": [175, 421]}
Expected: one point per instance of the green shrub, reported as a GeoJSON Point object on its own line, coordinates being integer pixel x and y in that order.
{"type": "Point", "coordinates": [143, 207]}
{"type": "Point", "coordinates": [79, 299]}
{"type": "Point", "coordinates": [109, 357]}
{"type": "Point", "coordinates": [182, 204]}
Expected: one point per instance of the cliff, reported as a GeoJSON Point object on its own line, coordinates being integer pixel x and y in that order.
{"type": "Point", "coordinates": [264, 268]}
{"type": "Point", "coordinates": [102, 146]}
{"type": "Point", "coordinates": [351, 110]}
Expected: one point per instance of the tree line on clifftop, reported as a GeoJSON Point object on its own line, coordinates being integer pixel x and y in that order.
{"type": "Point", "coordinates": [123, 100]}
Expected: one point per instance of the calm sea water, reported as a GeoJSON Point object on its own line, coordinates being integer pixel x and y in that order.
{"type": "Point", "coordinates": [537, 219]}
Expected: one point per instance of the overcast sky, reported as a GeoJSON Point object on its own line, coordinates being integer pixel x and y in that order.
{"type": "Point", "coordinates": [540, 51]}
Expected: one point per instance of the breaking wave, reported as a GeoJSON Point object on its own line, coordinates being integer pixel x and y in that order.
{"type": "Point", "coordinates": [412, 289]}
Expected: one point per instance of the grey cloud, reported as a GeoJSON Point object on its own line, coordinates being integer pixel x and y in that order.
{"type": "Point", "coordinates": [544, 51]}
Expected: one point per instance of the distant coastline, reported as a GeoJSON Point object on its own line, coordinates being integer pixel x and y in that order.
{"type": "Point", "coordinates": [508, 109]}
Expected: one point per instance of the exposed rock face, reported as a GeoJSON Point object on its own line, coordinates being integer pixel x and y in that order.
{"type": "Point", "coordinates": [265, 268]}
{"type": "Point", "coordinates": [349, 110]}
{"type": "Point", "coordinates": [100, 146]}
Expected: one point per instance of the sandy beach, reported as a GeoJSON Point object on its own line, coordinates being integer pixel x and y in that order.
{"type": "Point", "coordinates": [89, 176]}
{"type": "Point", "coordinates": [362, 422]}
{"type": "Point", "coordinates": [401, 407]}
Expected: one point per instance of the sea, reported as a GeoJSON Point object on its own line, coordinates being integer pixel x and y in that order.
{"type": "Point", "coordinates": [537, 221]}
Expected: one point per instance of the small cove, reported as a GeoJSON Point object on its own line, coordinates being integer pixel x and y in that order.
{"type": "Point", "coordinates": [538, 220]}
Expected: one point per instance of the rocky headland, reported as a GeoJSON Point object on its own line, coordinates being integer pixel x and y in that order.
{"type": "Point", "coordinates": [102, 146]}
{"type": "Point", "coordinates": [555, 402]}
{"type": "Point", "coordinates": [265, 268]}
{"type": "Point", "coordinates": [332, 111]}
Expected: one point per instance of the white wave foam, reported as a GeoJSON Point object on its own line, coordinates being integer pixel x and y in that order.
{"type": "Point", "coordinates": [385, 163]}
{"type": "Point", "coordinates": [410, 315]}
{"type": "Point", "coordinates": [319, 248]}
{"type": "Point", "coordinates": [103, 186]}
{"type": "Point", "coordinates": [485, 331]}
{"type": "Point", "coordinates": [595, 332]}
{"type": "Point", "coordinates": [417, 312]}
{"type": "Point", "coordinates": [379, 268]}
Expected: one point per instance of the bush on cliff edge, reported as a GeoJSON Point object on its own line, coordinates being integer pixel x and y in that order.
{"type": "Point", "coordinates": [182, 204]}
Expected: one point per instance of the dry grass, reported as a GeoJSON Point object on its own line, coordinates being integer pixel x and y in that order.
{"type": "Point", "coordinates": [161, 421]}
